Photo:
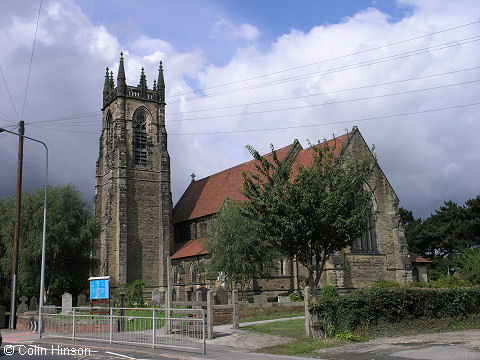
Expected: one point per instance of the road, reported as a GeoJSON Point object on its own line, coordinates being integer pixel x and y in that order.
{"type": "Point", "coordinates": [62, 352]}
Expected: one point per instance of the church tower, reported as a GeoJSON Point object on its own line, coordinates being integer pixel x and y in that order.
{"type": "Point", "coordinates": [133, 201]}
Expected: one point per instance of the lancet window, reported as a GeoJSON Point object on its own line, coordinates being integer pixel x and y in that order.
{"type": "Point", "coordinates": [367, 243]}
{"type": "Point", "coordinates": [140, 138]}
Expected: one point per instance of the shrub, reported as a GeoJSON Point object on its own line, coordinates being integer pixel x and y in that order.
{"type": "Point", "coordinates": [133, 293]}
{"type": "Point", "coordinates": [367, 307]}
{"type": "Point", "coordinates": [448, 282]}
{"type": "Point", "coordinates": [329, 292]}
{"type": "Point", "coordinates": [295, 296]}
{"type": "Point", "coordinates": [385, 284]}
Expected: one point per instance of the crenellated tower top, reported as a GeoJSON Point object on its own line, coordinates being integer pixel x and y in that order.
{"type": "Point", "coordinates": [141, 91]}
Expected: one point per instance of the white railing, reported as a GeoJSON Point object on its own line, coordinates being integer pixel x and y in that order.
{"type": "Point", "coordinates": [174, 328]}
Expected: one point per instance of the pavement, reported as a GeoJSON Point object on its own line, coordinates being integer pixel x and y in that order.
{"type": "Point", "coordinates": [238, 344]}
{"type": "Point", "coordinates": [229, 343]}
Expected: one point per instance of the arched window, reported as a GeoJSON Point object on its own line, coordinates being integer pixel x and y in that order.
{"type": "Point", "coordinates": [109, 131]}
{"type": "Point", "coordinates": [368, 242]}
{"type": "Point", "coordinates": [140, 138]}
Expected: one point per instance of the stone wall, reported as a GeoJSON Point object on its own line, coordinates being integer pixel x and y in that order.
{"type": "Point", "coordinates": [133, 201]}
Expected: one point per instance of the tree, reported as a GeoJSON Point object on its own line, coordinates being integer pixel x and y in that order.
{"type": "Point", "coordinates": [445, 235]}
{"type": "Point", "coordinates": [310, 211]}
{"type": "Point", "coordinates": [237, 249]}
{"type": "Point", "coordinates": [71, 235]}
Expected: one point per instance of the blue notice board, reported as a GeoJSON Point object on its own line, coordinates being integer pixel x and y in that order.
{"type": "Point", "coordinates": [99, 288]}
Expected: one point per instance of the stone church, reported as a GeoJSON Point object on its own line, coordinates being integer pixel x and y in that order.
{"type": "Point", "coordinates": [140, 228]}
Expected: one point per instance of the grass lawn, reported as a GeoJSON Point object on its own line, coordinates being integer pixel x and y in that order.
{"type": "Point", "coordinates": [302, 346]}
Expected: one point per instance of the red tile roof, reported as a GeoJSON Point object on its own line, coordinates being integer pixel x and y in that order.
{"type": "Point", "coordinates": [205, 196]}
{"type": "Point", "coordinates": [305, 156]}
{"type": "Point", "coordinates": [191, 248]}
{"type": "Point", "coordinates": [414, 258]}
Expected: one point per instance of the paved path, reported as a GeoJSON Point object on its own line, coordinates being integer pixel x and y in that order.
{"type": "Point", "coordinates": [225, 335]}
{"type": "Point", "coordinates": [457, 345]}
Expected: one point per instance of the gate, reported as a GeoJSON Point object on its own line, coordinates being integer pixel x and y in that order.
{"type": "Point", "coordinates": [175, 328]}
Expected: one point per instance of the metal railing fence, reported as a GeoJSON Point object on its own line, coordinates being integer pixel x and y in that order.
{"type": "Point", "coordinates": [173, 328]}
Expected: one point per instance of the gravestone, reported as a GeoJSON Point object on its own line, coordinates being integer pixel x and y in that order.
{"type": "Point", "coordinates": [221, 296]}
{"type": "Point", "coordinates": [156, 297]}
{"type": "Point", "coordinates": [260, 299]}
{"type": "Point", "coordinates": [33, 304]}
{"type": "Point", "coordinates": [23, 307]}
{"type": "Point", "coordinates": [49, 309]}
{"type": "Point", "coordinates": [284, 299]}
{"type": "Point", "coordinates": [82, 300]}
{"type": "Point", "coordinates": [203, 294]}
{"type": "Point", "coordinates": [66, 303]}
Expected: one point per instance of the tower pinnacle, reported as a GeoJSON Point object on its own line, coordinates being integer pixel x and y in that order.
{"type": "Point", "coordinates": [121, 81]}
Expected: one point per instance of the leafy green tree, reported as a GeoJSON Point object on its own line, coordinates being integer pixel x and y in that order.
{"type": "Point", "coordinates": [237, 249]}
{"type": "Point", "coordinates": [71, 235]}
{"type": "Point", "coordinates": [311, 211]}
{"type": "Point", "coordinates": [445, 235]}
{"type": "Point", "coordinates": [470, 262]}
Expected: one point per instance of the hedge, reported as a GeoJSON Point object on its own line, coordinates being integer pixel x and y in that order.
{"type": "Point", "coordinates": [367, 307]}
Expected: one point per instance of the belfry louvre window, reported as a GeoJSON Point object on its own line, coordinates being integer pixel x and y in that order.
{"type": "Point", "coordinates": [368, 242]}
{"type": "Point", "coordinates": [140, 139]}
{"type": "Point", "coordinates": [109, 132]}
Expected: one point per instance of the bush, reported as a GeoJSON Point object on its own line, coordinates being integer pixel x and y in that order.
{"type": "Point", "coordinates": [133, 293]}
{"type": "Point", "coordinates": [295, 296]}
{"type": "Point", "coordinates": [329, 292]}
{"type": "Point", "coordinates": [448, 282]}
{"type": "Point", "coordinates": [385, 284]}
{"type": "Point", "coordinates": [367, 307]}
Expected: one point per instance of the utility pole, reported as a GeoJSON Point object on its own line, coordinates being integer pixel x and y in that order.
{"type": "Point", "coordinates": [16, 237]}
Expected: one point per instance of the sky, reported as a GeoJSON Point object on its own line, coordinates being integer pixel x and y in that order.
{"type": "Point", "coordinates": [239, 73]}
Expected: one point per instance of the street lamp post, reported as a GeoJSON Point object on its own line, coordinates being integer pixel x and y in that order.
{"type": "Point", "coordinates": [42, 271]}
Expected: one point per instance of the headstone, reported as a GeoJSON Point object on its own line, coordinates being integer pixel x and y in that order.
{"type": "Point", "coordinates": [156, 297]}
{"type": "Point", "coordinates": [284, 299]}
{"type": "Point", "coordinates": [203, 294]}
{"type": "Point", "coordinates": [33, 304]}
{"type": "Point", "coordinates": [66, 303]}
{"type": "Point", "coordinates": [49, 309]}
{"type": "Point", "coordinates": [260, 299]}
{"type": "Point", "coordinates": [81, 300]}
{"type": "Point", "coordinates": [221, 296]}
{"type": "Point", "coordinates": [23, 307]}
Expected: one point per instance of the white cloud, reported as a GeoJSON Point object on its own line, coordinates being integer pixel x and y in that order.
{"type": "Point", "coordinates": [428, 158]}
{"type": "Point", "coordinates": [225, 29]}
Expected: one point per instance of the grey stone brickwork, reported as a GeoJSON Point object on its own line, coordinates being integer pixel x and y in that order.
{"type": "Point", "coordinates": [133, 200]}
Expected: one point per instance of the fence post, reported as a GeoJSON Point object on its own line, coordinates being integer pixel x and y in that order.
{"type": "Point", "coordinates": [210, 314]}
{"type": "Point", "coordinates": [235, 313]}
{"type": "Point", "coordinates": [306, 297]}
{"type": "Point", "coordinates": [203, 332]}
{"type": "Point", "coordinates": [111, 324]}
{"type": "Point", "coordinates": [154, 328]}
{"type": "Point", "coordinates": [74, 324]}
{"type": "Point", "coordinates": [168, 300]}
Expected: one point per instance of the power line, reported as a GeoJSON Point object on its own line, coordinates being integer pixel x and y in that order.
{"type": "Point", "coordinates": [329, 123]}
{"type": "Point", "coordinates": [327, 103]}
{"type": "Point", "coordinates": [96, 113]}
{"type": "Point", "coordinates": [72, 131]}
{"type": "Point", "coordinates": [31, 60]}
{"type": "Point", "coordinates": [342, 68]}
{"type": "Point", "coordinates": [70, 117]}
{"type": "Point", "coordinates": [332, 59]}
{"type": "Point", "coordinates": [8, 91]}
{"type": "Point", "coordinates": [326, 92]}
